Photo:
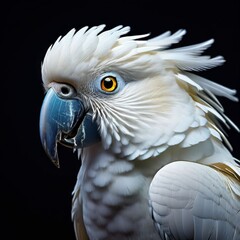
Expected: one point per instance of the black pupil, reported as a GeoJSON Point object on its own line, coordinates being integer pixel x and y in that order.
{"type": "Point", "coordinates": [108, 83]}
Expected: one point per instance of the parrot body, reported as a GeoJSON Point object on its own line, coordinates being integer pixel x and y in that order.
{"type": "Point", "coordinates": [149, 135]}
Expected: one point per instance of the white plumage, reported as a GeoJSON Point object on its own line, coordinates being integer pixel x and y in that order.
{"type": "Point", "coordinates": [161, 170]}
{"type": "Point", "coordinates": [187, 198]}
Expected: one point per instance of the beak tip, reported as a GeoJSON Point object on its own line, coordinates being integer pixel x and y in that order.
{"type": "Point", "coordinates": [56, 163]}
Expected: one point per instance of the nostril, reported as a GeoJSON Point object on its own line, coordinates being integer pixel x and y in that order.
{"type": "Point", "coordinates": [65, 90]}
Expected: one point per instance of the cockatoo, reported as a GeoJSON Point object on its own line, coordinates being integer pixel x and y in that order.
{"type": "Point", "coordinates": [155, 162]}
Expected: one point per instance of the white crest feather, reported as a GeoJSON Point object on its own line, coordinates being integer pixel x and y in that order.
{"type": "Point", "coordinates": [79, 55]}
{"type": "Point", "coordinates": [90, 49]}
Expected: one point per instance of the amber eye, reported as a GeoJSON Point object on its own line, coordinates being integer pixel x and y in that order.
{"type": "Point", "coordinates": [109, 84]}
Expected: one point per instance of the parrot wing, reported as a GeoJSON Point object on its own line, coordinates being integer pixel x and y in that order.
{"type": "Point", "coordinates": [77, 217]}
{"type": "Point", "coordinates": [194, 201]}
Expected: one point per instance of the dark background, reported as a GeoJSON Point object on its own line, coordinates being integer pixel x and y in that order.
{"type": "Point", "coordinates": [35, 195]}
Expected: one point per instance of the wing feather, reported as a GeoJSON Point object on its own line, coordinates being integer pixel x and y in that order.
{"type": "Point", "coordinates": [186, 198]}
{"type": "Point", "coordinates": [77, 217]}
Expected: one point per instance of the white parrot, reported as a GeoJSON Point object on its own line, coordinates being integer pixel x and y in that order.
{"type": "Point", "coordinates": [149, 132]}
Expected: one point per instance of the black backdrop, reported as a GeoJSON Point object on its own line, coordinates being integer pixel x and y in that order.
{"type": "Point", "coordinates": [36, 196]}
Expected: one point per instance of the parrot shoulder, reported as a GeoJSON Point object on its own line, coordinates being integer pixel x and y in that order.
{"type": "Point", "coordinates": [184, 203]}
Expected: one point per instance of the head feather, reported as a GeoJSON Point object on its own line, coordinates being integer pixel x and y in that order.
{"type": "Point", "coordinates": [91, 49]}
{"type": "Point", "coordinates": [81, 55]}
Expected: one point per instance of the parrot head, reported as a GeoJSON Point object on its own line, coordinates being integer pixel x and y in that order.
{"type": "Point", "coordinates": [136, 97]}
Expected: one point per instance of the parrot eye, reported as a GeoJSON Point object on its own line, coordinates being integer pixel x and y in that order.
{"type": "Point", "coordinates": [109, 84]}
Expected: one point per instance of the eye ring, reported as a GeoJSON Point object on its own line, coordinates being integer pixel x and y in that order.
{"type": "Point", "coordinates": [109, 84]}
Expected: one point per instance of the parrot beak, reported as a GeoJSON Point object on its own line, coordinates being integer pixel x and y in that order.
{"type": "Point", "coordinates": [65, 121]}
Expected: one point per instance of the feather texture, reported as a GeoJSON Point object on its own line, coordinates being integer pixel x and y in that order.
{"type": "Point", "coordinates": [161, 134]}
{"type": "Point", "coordinates": [108, 49]}
{"type": "Point", "coordinates": [185, 206]}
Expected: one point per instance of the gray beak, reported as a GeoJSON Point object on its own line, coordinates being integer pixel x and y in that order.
{"type": "Point", "coordinates": [65, 121]}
